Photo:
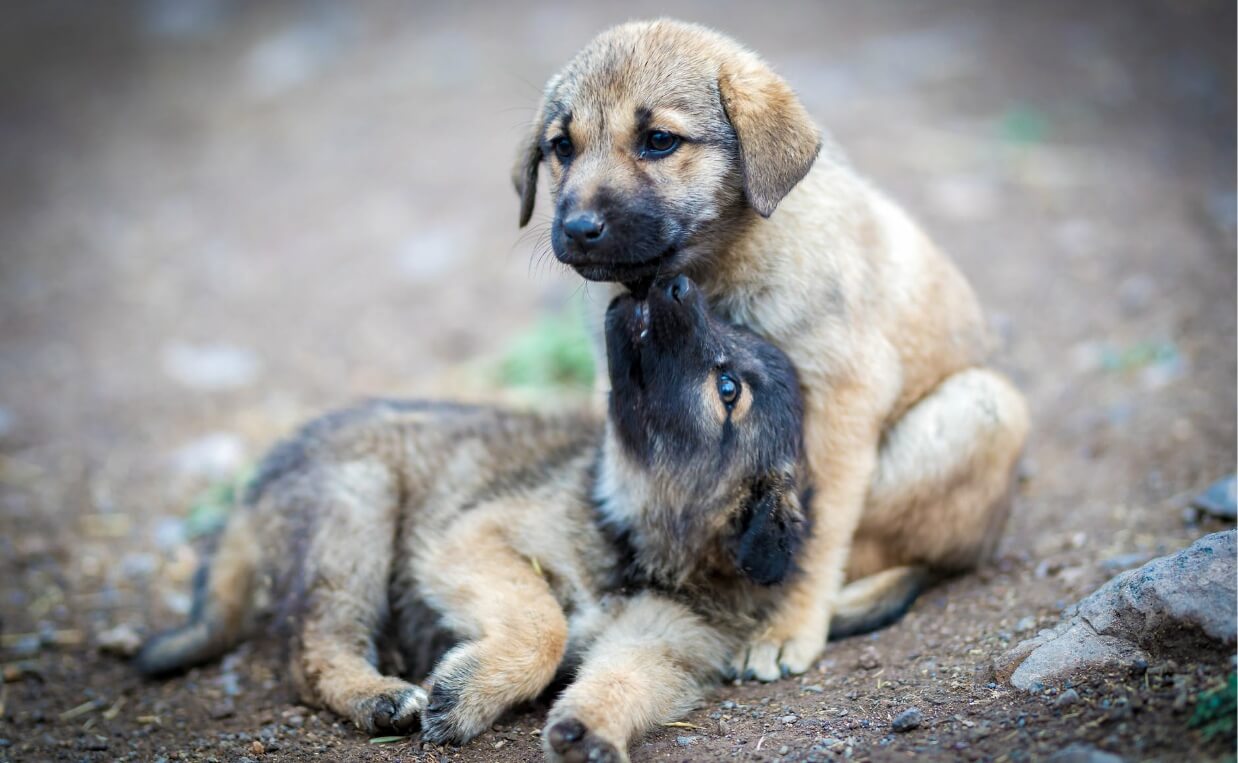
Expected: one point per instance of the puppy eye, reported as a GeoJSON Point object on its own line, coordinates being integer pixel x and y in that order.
{"type": "Point", "coordinates": [562, 147]}
{"type": "Point", "coordinates": [728, 389]}
{"type": "Point", "coordinates": [659, 143]}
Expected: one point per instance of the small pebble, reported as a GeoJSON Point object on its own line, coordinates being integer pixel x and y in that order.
{"type": "Point", "coordinates": [1066, 698]}
{"type": "Point", "coordinates": [1124, 562]}
{"type": "Point", "coordinates": [724, 728]}
{"type": "Point", "coordinates": [812, 688]}
{"type": "Point", "coordinates": [123, 640]}
{"type": "Point", "coordinates": [784, 750]}
{"type": "Point", "coordinates": [1220, 499]}
{"type": "Point", "coordinates": [869, 660]}
{"type": "Point", "coordinates": [1025, 624]}
{"type": "Point", "coordinates": [907, 720]}
{"type": "Point", "coordinates": [686, 741]}
{"type": "Point", "coordinates": [225, 709]}
{"type": "Point", "coordinates": [788, 719]}
{"type": "Point", "coordinates": [257, 747]}
{"type": "Point", "coordinates": [1082, 753]}
{"type": "Point", "coordinates": [27, 645]}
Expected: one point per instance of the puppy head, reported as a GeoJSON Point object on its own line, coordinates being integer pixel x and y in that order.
{"type": "Point", "coordinates": [657, 136]}
{"type": "Point", "coordinates": [705, 425]}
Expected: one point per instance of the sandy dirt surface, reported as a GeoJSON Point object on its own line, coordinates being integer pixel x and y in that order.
{"type": "Point", "coordinates": [220, 218]}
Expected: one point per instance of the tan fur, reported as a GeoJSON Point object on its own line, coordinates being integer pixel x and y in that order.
{"type": "Point", "coordinates": [887, 335]}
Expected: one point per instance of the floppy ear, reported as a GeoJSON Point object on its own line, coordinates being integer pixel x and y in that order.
{"type": "Point", "coordinates": [771, 529]}
{"type": "Point", "coordinates": [529, 157]}
{"type": "Point", "coordinates": [778, 141]}
{"type": "Point", "coordinates": [524, 171]}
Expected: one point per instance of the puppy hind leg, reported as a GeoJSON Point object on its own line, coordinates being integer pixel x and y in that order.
{"type": "Point", "coordinates": [346, 602]}
{"type": "Point", "coordinates": [490, 594]}
{"type": "Point", "coordinates": [942, 488]}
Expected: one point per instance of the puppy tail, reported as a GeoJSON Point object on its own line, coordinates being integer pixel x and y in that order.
{"type": "Point", "coordinates": [223, 593]}
{"type": "Point", "coordinates": [878, 600]}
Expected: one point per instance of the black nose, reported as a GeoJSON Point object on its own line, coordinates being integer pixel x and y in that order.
{"type": "Point", "coordinates": [679, 287]}
{"type": "Point", "coordinates": [585, 228]}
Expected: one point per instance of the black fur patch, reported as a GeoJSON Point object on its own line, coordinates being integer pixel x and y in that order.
{"type": "Point", "coordinates": [641, 235]}
{"type": "Point", "coordinates": [769, 537]}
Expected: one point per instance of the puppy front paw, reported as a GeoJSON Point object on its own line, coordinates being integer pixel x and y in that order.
{"type": "Point", "coordinates": [459, 707]}
{"type": "Point", "coordinates": [396, 710]}
{"type": "Point", "coordinates": [778, 652]}
{"type": "Point", "coordinates": [570, 741]}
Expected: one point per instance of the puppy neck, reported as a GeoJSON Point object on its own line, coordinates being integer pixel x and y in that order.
{"type": "Point", "coordinates": [668, 540]}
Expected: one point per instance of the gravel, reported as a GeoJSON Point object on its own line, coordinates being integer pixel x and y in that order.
{"type": "Point", "coordinates": [909, 719]}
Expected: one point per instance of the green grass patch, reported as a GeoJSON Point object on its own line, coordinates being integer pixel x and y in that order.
{"type": "Point", "coordinates": [1215, 711]}
{"type": "Point", "coordinates": [555, 354]}
{"type": "Point", "coordinates": [209, 510]}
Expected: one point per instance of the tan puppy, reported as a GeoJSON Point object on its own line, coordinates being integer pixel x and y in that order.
{"type": "Point", "coordinates": [671, 148]}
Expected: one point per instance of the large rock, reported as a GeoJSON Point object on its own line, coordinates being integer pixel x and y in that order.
{"type": "Point", "coordinates": [1180, 602]}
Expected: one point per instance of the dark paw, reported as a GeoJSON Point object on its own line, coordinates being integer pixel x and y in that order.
{"type": "Point", "coordinates": [436, 723]}
{"type": "Point", "coordinates": [449, 717]}
{"type": "Point", "coordinates": [395, 712]}
{"type": "Point", "coordinates": [574, 743]}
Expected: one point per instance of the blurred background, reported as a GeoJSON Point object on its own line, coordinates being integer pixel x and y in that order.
{"type": "Point", "coordinates": [219, 218]}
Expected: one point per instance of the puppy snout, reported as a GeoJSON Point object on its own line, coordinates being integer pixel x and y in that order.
{"type": "Point", "coordinates": [586, 229]}
{"type": "Point", "coordinates": [679, 288]}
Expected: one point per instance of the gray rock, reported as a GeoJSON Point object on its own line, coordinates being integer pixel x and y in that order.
{"type": "Point", "coordinates": [687, 741]}
{"type": "Point", "coordinates": [1170, 603]}
{"type": "Point", "coordinates": [1220, 499]}
{"type": "Point", "coordinates": [1066, 698]}
{"type": "Point", "coordinates": [1082, 753]}
{"type": "Point", "coordinates": [909, 719]}
{"type": "Point", "coordinates": [1194, 589]}
{"type": "Point", "coordinates": [1025, 624]}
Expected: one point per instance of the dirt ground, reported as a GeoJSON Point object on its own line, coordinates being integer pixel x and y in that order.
{"type": "Point", "coordinates": [220, 218]}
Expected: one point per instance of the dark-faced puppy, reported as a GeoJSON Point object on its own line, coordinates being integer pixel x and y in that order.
{"type": "Point", "coordinates": [693, 400]}
{"type": "Point", "coordinates": [643, 551]}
